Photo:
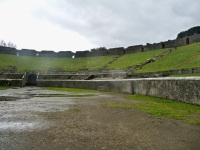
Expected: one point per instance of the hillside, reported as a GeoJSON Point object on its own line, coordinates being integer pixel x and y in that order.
{"type": "Point", "coordinates": [26, 63]}
{"type": "Point", "coordinates": [183, 57]}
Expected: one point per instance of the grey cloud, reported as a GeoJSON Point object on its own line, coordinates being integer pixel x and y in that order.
{"type": "Point", "coordinates": [122, 23]}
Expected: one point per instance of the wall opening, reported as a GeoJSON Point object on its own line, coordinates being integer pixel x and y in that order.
{"type": "Point", "coordinates": [73, 56]}
{"type": "Point", "coordinates": [187, 41]}
{"type": "Point", "coordinates": [124, 52]}
{"type": "Point", "coordinates": [32, 79]}
{"type": "Point", "coordinates": [142, 49]}
{"type": "Point", "coordinates": [163, 45]}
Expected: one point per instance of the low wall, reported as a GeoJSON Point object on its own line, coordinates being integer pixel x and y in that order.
{"type": "Point", "coordinates": [15, 82]}
{"type": "Point", "coordinates": [166, 73]}
{"type": "Point", "coordinates": [180, 89]}
{"type": "Point", "coordinates": [106, 85]}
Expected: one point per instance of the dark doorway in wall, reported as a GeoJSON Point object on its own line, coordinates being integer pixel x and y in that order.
{"type": "Point", "coordinates": [124, 52]}
{"type": "Point", "coordinates": [187, 41]}
{"type": "Point", "coordinates": [32, 79]}
{"type": "Point", "coordinates": [142, 49]}
{"type": "Point", "coordinates": [163, 45]}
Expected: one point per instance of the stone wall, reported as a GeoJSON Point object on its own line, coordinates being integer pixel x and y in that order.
{"type": "Point", "coordinates": [15, 82]}
{"type": "Point", "coordinates": [64, 54]}
{"type": "Point", "coordinates": [166, 73]}
{"type": "Point", "coordinates": [27, 52]}
{"type": "Point", "coordinates": [179, 89]}
{"type": "Point", "coordinates": [134, 49]}
{"type": "Point", "coordinates": [8, 50]}
{"type": "Point", "coordinates": [116, 51]}
{"type": "Point", "coordinates": [82, 54]}
{"type": "Point", "coordinates": [106, 85]}
{"type": "Point", "coordinates": [62, 77]}
{"type": "Point", "coordinates": [104, 52]}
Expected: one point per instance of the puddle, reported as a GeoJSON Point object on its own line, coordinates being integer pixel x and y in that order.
{"type": "Point", "coordinates": [16, 125]}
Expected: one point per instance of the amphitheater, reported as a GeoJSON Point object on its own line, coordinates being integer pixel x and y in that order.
{"type": "Point", "coordinates": [157, 84]}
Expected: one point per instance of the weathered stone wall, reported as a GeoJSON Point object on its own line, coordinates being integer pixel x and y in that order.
{"type": "Point", "coordinates": [61, 77]}
{"type": "Point", "coordinates": [104, 52]}
{"type": "Point", "coordinates": [179, 89]}
{"type": "Point", "coordinates": [194, 38]}
{"type": "Point", "coordinates": [82, 54]}
{"type": "Point", "coordinates": [105, 85]}
{"type": "Point", "coordinates": [116, 51]}
{"type": "Point", "coordinates": [66, 54]}
{"type": "Point", "coordinates": [134, 49]}
{"type": "Point", "coordinates": [50, 54]}
{"type": "Point", "coordinates": [27, 52]}
{"type": "Point", "coordinates": [8, 50]}
{"type": "Point", "coordinates": [100, 52]}
{"type": "Point", "coordinates": [11, 75]}
{"type": "Point", "coordinates": [166, 73]}
{"type": "Point", "coordinates": [15, 82]}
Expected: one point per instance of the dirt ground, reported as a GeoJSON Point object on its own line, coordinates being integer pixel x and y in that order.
{"type": "Point", "coordinates": [35, 123]}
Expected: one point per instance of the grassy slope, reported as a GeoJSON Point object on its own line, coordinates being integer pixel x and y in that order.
{"type": "Point", "coordinates": [40, 63]}
{"type": "Point", "coordinates": [183, 57]}
{"type": "Point", "coordinates": [134, 59]}
{"type": "Point", "coordinates": [162, 108]}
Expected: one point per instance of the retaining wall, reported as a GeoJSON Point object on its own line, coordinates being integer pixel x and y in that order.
{"type": "Point", "coordinates": [179, 89]}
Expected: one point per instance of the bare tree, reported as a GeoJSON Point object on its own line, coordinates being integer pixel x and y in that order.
{"type": "Point", "coordinates": [9, 44]}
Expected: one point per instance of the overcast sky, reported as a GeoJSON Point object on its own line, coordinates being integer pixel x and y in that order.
{"type": "Point", "coordinates": [77, 25]}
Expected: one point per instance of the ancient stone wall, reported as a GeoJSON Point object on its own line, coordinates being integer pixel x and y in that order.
{"type": "Point", "coordinates": [134, 49]}
{"type": "Point", "coordinates": [104, 52]}
{"type": "Point", "coordinates": [50, 54]}
{"type": "Point", "coordinates": [185, 89]}
{"type": "Point", "coordinates": [66, 54]}
{"type": "Point", "coordinates": [100, 52]}
{"type": "Point", "coordinates": [180, 89]}
{"type": "Point", "coordinates": [116, 51]}
{"type": "Point", "coordinates": [166, 73]}
{"type": "Point", "coordinates": [8, 50]}
{"type": "Point", "coordinates": [27, 52]}
{"type": "Point", "coordinates": [82, 54]}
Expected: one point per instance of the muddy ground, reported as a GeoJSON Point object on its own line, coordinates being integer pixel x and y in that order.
{"type": "Point", "coordinates": [28, 122]}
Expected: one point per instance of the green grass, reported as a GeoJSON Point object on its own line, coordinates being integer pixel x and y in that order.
{"type": "Point", "coordinates": [162, 108]}
{"type": "Point", "coordinates": [64, 95]}
{"type": "Point", "coordinates": [25, 63]}
{"type": "Point", "coordinates": [72, 90]}
{"type": "Point", "coordinates": [4, 87]}
{"type": "Point", "coordinates": [134, 59]}
{"type": "Point", "coordinates": [186, 75]}
{"type": "Point", "coordinates": [183, 57]}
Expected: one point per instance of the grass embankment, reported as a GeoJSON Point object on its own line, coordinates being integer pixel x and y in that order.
{"type": "Point", "coordinates": [25, 63]}
{"type": "Point", "coordinates": [72, 90]}
{"type": "Point", "coordinates": [4, 87]}
{"type": "Point", "coordinates": [134, 59]}
{"type": "Point", "coordinates": [162, 108]}
{"type": "Point", "coordinates": [183, 57]}
{"type": "Point", "coordinates": [64, 95]}
{"type": "Point", "coordinates": [186, 75]}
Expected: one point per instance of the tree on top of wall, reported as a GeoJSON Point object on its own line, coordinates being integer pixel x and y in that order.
{"type": "Point", "coordinates": [189, 32]}
{"type": "Point", "coordinates": [9, 44]}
